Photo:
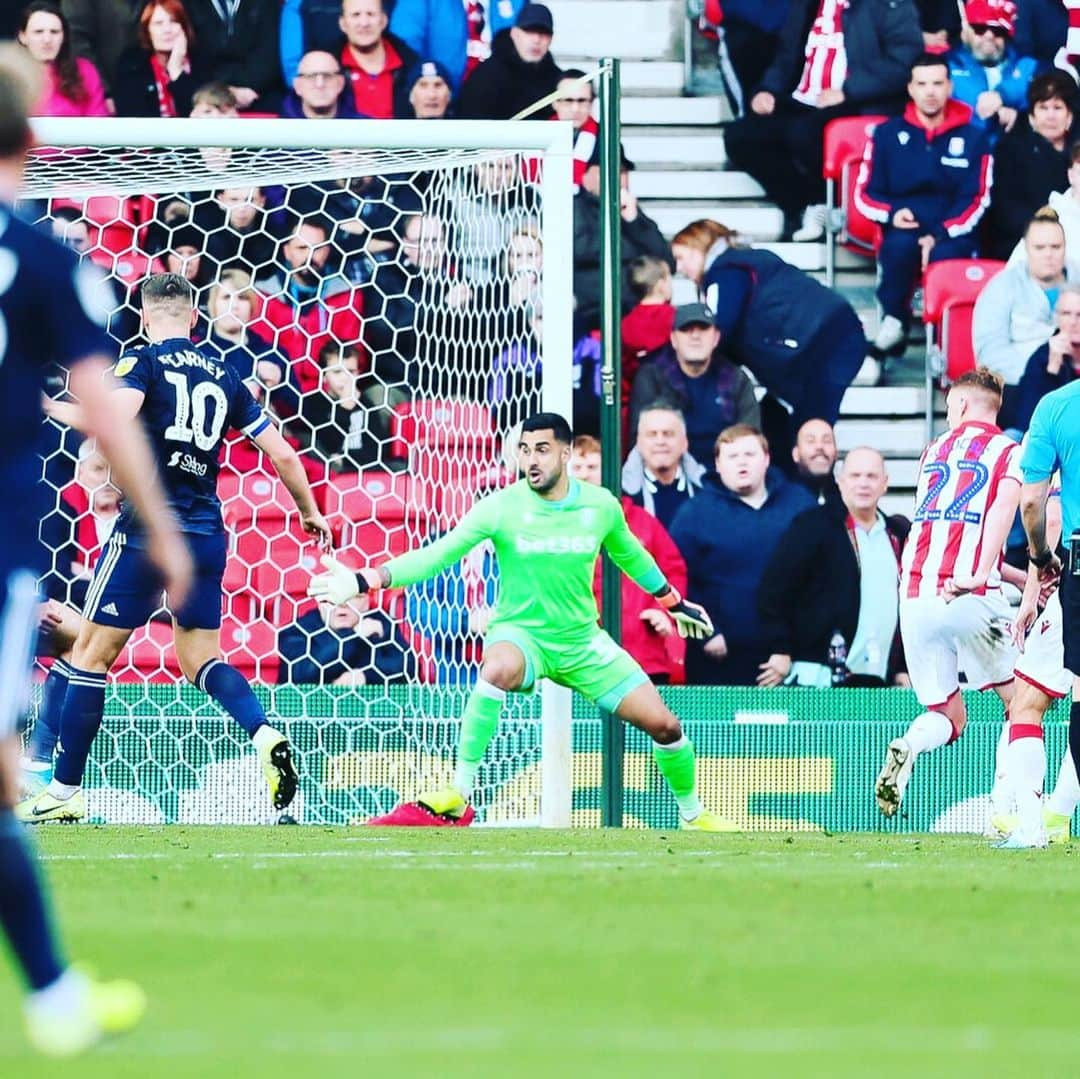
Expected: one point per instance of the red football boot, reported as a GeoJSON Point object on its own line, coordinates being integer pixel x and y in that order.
{"type": "Point", "coordinates": [418, 815]}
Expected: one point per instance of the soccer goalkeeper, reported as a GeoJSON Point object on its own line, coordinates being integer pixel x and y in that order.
{"type": "Point", "coordinates": [547, 530]}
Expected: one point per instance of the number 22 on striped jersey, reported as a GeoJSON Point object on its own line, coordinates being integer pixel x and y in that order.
{"type": "Point", "coordinates": [941, 473]}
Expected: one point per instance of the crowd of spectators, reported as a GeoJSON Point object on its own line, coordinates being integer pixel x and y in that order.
{"type": "Point", "coordinates": [340, 300]}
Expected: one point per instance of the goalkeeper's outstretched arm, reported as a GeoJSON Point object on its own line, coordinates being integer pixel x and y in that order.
{"type": "Point", "coordinates": [628, 553]}
{"type": "Point", "coordinates": [340, 584]}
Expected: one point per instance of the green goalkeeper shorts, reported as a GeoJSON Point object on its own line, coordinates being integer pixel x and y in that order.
{"type": "Point", "coordinates": [594, 665]}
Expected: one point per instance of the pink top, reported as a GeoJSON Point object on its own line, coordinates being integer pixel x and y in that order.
{"type": "Point", "coordinates": [53, 103]}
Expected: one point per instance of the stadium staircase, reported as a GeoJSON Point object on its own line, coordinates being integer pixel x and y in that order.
{"type": "Point", "coordinates": [681, 174]}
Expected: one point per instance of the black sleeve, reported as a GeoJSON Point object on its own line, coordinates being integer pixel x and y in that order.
{"type": "Point", "coordinates": [1010, 205]}
{"type": "Point", "coordinates": [260, 65]}
{"type": "Point", "coordinates": [133, 85]}
{"type": "Point", "coordinates": [297, 665]}
{"type": "Point", "coordinates": [780, 76]}
{"type": "Point", "coordinates": [781, 588]}
{"type": "Point", "coordinates": [885, 73]}
{"type": "Point", "coordinates": [475, 99]}
{"type": "Point", "coordinates": [1034, 385]}
{"type": "Point", "coordinates": [649, 387]}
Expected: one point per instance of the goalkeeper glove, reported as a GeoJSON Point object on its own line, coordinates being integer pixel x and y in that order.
{"type": "Point", "coordinates": [340, 584]}
{"type": "Point", "coordinates": [691, 619]}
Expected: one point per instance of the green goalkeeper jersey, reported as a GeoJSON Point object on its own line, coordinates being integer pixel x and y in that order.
{"type": "Point", "coordinates": [546, 551]}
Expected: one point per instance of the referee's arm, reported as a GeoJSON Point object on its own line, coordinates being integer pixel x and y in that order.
{"type": "Point", "coordinates": [1040, 458]}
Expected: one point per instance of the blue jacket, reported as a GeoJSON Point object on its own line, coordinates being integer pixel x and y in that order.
{"type": "Point", "coordinates": [437, 29]}
{"type": "Point", "coordinates": [307, 25]}
{"type": "Point", "coordinates": [969, 81]}
{"type": "Point", "coordinates": [727, 545]}
{"type": "Point", "coordinates": [943, 176]}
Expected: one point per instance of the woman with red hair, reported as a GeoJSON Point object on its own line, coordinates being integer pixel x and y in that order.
{"type": "Point", "coordinates": [159, 77]}
{"type": "Point", "coordinates": [73, 86]}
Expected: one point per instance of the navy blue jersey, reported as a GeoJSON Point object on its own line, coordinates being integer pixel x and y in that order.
{"type": "Point", "coordinates": [52, 310]}
{"type": "Point", "coordinates": [192, 400]}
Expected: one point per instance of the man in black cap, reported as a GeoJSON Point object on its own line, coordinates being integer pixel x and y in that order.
{"type": "Point", "coordinates": [519, 73]}
{"type": "Point", "coordinates": [703, 384]}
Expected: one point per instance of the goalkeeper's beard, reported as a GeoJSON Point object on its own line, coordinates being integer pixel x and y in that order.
{"type": "Point", "coordinates": [544, 483]}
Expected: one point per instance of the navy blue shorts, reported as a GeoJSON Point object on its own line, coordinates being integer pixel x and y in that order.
{"type": "Point", "coordinates": [19, 599]}
{"type": "Point", "coordinates": [127, 589]}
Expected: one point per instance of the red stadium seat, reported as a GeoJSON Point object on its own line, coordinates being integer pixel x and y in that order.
{"type": "Point", "coordinates": [435, 425]}
{"type": "Point", "coordinates": [251, 647]}
{"type": "Point", "coordinates": [950, 289]}
{"type": "Point", "coordinates": [254, 498]}
{"type": "Point", "coordinates": [149, 656]}
{"type": "Point", "coordinates": [844, 144]}
{"type": "Point", "coordinates": [371, 495]}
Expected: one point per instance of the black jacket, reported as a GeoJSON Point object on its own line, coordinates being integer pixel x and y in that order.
{"type": "Point", "coordinates": [641, 236]}
{"type": "Point", "coordinates": [505, 84]}
{"type": "Point", "coordinates": [727, 546]}
{"type": "Point", "coordinates": [246, 56]}
{"type": "Point", "coordinates": [1036, 383]}
{"type": "Point", "coordinates": [882, 38]}
{"type": "Point", "coordinates": [811, 586]}
{"type": "Point", "coordinates": [1027, 169]}
{"type": "Point", "coordinates": [312, 652]}
{"type": "Point", "coordinates": [134, 91]}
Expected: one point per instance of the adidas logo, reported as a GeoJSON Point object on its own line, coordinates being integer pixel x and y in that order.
{"type": "Point", "coordinates": [110, 608]}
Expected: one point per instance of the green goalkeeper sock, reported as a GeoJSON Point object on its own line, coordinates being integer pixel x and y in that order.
{"type": "Point", "coordinates": [477, 729]}
{"type": "Point", "coordinates": [677, 765]}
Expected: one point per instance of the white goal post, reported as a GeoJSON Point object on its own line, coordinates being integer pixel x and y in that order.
{"type": "Point", "coordinates": [78, 159]}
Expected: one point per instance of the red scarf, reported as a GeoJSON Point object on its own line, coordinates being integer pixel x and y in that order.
{"type": "Point", "coordinates": [1071, 49]}
{"type": "Point", "coordinates": [478, 45]}
{"type": "Point", "coordinates": [162, 83]}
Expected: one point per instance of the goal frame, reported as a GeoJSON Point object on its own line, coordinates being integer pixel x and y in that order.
{"type": "Point", "coordinates": [551, 141]}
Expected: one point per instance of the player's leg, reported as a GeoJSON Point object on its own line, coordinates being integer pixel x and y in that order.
{"type": "Point", "coordinates": [1065, 797]}
{"type": "Point", "coordinates": [643, 707]}
{"type": "Point", "coordinates": [926, 628]}
{"type": "Point", "coordinates": [197, 649]}
{"type": "Point", "coordinates": [65, 1012]}
{"type": "Point", "coordinates": [1025, 763]}
{"type": "Point", "coordinates": [510, 663]}
{"type": "Point", "coordinates": [58, 629]}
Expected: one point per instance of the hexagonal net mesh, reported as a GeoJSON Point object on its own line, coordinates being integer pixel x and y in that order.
{"type": "Point", "coordinates": [385, 307]}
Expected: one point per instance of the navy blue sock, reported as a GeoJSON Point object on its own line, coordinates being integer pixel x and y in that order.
{"type": "Point", "coordinates": [80, 719]}
{"type": "Point", "coordinates": [24, 913]}
{"type": "Point", "coordinates": [46, 730]}
{"type": "Point", "coordinates": [228, 687]}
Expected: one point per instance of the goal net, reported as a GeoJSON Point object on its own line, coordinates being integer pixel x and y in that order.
{"type": "Point", "coordinates": [397, 295]}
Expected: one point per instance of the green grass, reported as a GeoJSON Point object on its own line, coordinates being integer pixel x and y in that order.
{"type": "Point", "coordinates": [330, 952]}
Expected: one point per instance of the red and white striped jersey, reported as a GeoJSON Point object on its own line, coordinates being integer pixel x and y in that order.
{"type": "Point", "coordinates": [826, 55]}
{"type": "Point", "coordinates": [960, 473]}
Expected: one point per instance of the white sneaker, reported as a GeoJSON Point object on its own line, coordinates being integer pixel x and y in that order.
{"type": "Point", "coordinates": [869, 374]}
{"type": "Point", "coordinates": [1024, 839]}
{"type": "Point", "coordinates": [813, 225]}
{"type": "Point", "coordinates": [893, 778]}
{"type": "Point", "coordinates": [890, 334]}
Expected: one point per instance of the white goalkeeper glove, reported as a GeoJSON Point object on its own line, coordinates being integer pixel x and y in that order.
{"type": "Point", "coordinates": [691, 619]}
{"type": "Point", "coordinates": [340, 584]}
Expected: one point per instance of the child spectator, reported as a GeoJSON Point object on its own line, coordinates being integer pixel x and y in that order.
{"type": "Point", "coordinates": [647, 327]}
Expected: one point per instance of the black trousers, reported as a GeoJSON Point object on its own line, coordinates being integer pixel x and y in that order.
{"type": "Point", "coordinates": [783, 151]}
{"type": "Point", "coordinates": [751, 51]}
{"type": "Point", "coordinates": [1070, 604]}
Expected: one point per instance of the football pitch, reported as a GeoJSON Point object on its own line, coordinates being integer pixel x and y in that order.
{"type": "Point", "coordinates": [316, 952]}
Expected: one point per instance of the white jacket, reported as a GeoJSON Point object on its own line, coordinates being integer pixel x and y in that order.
{"type": "Point", "coordinates": [1012, 319]}
{"type": "Point", "coordinates": [1068, 211]}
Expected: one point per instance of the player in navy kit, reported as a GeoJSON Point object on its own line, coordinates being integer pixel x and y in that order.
{"type": "Point", "coordinates": [51, 312]}
{"type": "Point", "coordinates": [188, 400]}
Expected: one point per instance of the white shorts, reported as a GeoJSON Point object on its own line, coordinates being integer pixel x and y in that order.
{"type": "Point", "coordinates": [1042, 663]}
{"type": "Point", "coordinates": [971, 634]}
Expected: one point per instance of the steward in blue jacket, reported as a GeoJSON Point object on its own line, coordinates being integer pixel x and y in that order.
{"type": "Point", "coordinates": [925, 178]}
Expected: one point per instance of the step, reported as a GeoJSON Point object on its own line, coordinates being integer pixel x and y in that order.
{"type": "Point", "coordinates": [704, 186]}
{"type": "Point", "coordinates": [753, 222]}
{"type": "Point", "coordinates": [675, 147]}
{"type": "Point", "coordinates": [642, 29]}
{"type": "Point", "coordinates": [811, 257]}
{"type": "Point", "coordinates": [886, 402]}
{"type": "Point", "coordinates": [669, 111]}
{"type": "Point", "coordinates": [896, 437]}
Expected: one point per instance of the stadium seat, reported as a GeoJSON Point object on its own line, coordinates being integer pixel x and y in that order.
{"type": "Point", "coordinates": [376, 495]}
{"type": "Point", "coordinates": [844, 144]}
{"type": "Point", "coordinates": [149, 656]}
{"type": "Point", "coordinates": [254, 499]}
{"type": "Point", "coordinates": [435, 425]}
{"type": "Point", "coordinates": [251, 647]}
{"type": "Point", "coordinates": [950, 289]}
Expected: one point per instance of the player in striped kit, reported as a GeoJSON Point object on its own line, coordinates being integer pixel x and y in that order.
{"type": "Point", "coordinates": [952, 613]}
